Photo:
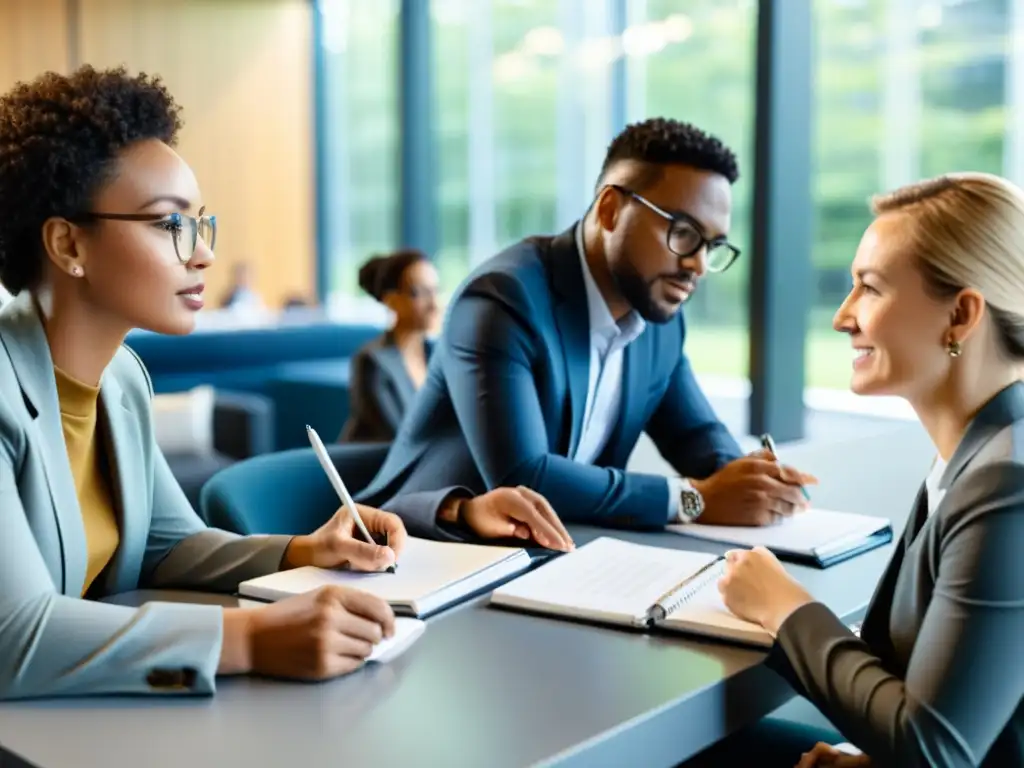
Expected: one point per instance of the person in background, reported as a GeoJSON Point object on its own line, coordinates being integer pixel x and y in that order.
{"type": "Point", "coordinates": [936, 316]}
{"type": "Point", "coordinates": [104, 230]}
{"type": "Point", "coordinates": [558, 352]}
{"type": "Point", "coordinates": [298, 303]}
{"type": "Point", "coordinates": [388, 371]}
{"type": "Point", "coordinates": [242, 295]}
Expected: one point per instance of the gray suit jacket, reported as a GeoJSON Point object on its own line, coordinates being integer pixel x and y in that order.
{"type": "Point", "coordinates": [937, 676]}
{"type": "Point", "coordinates": [381, 391]}
{"type": "Point", "coordinates": [51, 641]}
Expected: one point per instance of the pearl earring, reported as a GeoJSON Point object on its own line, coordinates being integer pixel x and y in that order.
{"type": "Point", "coordinates": [76, 271]}
{"type": "Point", "coordinates": [954, 349]}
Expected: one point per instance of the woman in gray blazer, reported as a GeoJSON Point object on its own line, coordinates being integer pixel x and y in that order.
{"type": "Point", "coordinates": [388, 371]}
{"type": "Point", "coordinates": [103, 230]}
{"type": "Point", "coordinates": [935, 678]}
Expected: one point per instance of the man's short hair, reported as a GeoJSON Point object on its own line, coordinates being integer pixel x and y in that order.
{"type": "Point", "coordinates": [661, 141]}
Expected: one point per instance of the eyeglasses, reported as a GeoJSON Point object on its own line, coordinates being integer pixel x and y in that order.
{"type": "Point", "coordinates": [185, 230]}
{"type": "Point", "coordinates": [685, 236]}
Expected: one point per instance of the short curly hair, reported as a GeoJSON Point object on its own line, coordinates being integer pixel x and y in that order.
{"type": "Point", "coordinates": [60, 136]}
{"type": "Point", "coordinates": [661, 141]}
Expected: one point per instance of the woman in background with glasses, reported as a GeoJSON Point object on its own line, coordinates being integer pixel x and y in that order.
{"type": "Point", "coordinates": [387, 372]}
{"type": "Point", "coordinates": [104, 230]}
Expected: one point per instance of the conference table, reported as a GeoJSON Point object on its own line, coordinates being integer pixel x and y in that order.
{"type": "Point", "coordinates": [482, 687]}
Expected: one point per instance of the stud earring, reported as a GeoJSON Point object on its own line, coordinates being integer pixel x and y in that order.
{"type": "Point", "coordinates": [954, 349]}
{"type": "Point", "coordinates": [76, 271]}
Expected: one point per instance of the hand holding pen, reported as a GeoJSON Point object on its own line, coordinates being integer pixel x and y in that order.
{"type": "Point", "coordinates": [787, 474]}
{"type": "Point", "coordinates": [362, 538]}
{"type": "Point", "coordinates": [753, 490]}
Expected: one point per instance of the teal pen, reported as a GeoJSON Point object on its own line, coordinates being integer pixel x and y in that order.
{"type": "Point", "coordinates": [769, 445]}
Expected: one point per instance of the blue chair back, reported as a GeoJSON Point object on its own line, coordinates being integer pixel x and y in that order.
{"type": "Point", "coordinates": [286, 492]}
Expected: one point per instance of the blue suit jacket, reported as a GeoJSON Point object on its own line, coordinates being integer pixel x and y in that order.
{"type": "Point", "coordinates": [504, 399]}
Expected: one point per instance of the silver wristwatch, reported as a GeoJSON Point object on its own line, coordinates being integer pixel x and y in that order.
{"type": "Point", "coordinates": [691, 503]}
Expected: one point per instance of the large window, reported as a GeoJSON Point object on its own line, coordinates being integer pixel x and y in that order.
{"type": "Point", "coordinates": [523, 119]}
{"type": "Point", "coordinates": [694, 61]}
{"type": "Point", "coordinates": [528, 93]}
{"type": "Point", "coordinates": [359, 139]}
{"type": "Point", "coordinates": [905, 89]}
{"type": "Point", "coordinates": [527, 107]}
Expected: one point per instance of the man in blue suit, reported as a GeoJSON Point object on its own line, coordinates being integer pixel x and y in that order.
{"type": "Point", "coordinates": [558, 352]}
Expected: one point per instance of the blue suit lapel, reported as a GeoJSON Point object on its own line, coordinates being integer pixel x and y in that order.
{"type": "Point", "coordinates": [127, 467]}
{"type": "Point", "coordinates": [574, 332]}
{"type": "Point", "coordinates": [573, 325]}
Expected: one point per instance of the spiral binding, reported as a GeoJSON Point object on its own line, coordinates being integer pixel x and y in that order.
{"type": "Point", "coordinates": [685, 590]}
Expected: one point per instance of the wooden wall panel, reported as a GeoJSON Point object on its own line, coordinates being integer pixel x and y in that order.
{"type": "Point", "coordinates": [242, 72]}
{"type": "Point", "coordinates": [33, 39]}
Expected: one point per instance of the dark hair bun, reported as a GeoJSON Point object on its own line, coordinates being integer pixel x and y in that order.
{"type": "Point", "coordinates": [383, 274]}
{"type": "Point", "coordinates": [370, 275]}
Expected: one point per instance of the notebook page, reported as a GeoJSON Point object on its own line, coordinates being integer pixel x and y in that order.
{"type": "Point", "coordinates": [424, 567]}
{"type": "Point", "coordinates": [705, 613]}
{"type": "Point", "coordinates": [803, 533]}
{"type": "Point", "coordinates": [607, 578]}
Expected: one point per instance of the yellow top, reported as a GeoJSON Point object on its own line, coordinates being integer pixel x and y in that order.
{"type": "Point", "coordinates": [78, 408]}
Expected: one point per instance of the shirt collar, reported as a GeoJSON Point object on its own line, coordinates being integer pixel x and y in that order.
{"type": "Point", "coordinates": [601, 320]}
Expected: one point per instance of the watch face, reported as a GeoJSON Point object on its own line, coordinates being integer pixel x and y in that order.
{"type": "Point", "coordinates": [692, 504]}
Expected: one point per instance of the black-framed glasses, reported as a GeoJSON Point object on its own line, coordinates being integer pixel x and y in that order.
{"type": "Point", "coordinates": [185, 230]}
{"type": "Point", "coordinates": [685, 235]}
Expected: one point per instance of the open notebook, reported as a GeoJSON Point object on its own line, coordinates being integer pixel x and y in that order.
{"type": "Point", "coordinates": [431, 576]}
{"type": "Point", "coordinates": [618, 582]}
{"type": "Point", "coordinates": [817, 537]}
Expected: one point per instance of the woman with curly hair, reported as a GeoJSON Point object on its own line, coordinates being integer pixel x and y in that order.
{"type": "Point", "coordinates": [103, 230]}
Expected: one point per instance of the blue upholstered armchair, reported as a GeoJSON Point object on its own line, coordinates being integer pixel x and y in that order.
{"type": "Point", "coordinates": [286, 492]}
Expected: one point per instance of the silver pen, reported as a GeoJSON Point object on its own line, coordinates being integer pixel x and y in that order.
{"type": "Point", "coordinates": [769, 445]}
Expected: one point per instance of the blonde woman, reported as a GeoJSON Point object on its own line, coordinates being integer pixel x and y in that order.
{"type": "Point", "coordinates": [936, 316]}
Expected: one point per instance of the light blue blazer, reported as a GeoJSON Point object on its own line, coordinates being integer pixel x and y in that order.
{"type": "Point", "coordinates": [52, 642]}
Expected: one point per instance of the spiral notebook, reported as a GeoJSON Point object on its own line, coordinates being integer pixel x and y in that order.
{"type": "Point", "coordinates": [612, 581]}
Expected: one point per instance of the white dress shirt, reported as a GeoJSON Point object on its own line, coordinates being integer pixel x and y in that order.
{"type": "Point", "coordinates": [608, 341]}
{"type": "Point", "coordinates": [932, 485]}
